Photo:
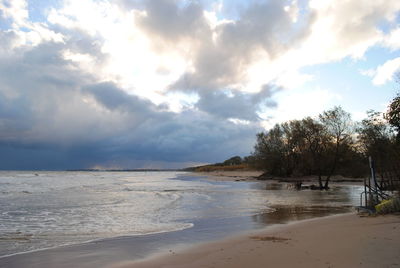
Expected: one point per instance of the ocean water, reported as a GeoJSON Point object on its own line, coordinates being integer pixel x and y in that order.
{"type": "Point", "coordinates": [40, 210]}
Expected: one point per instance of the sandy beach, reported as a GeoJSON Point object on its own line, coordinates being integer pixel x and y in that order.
{"type": "Point", "coordinates": [336, 241]}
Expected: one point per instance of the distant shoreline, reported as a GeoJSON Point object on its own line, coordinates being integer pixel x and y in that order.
{"type": "Point", "coordinates": [127, 170]}
{"type": "Point", "coordinates": [96, 170]}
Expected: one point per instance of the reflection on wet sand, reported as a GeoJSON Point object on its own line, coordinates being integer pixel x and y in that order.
{"type": "Point", "coordinates": [275, 186]}
{"type": "Point", "coordinates": [305, 204]}
{"type": "Point", "coordinates": [284, 214]}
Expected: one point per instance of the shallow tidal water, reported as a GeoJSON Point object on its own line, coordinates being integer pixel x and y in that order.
{"type": "Point", "coordinates": [145, 211]}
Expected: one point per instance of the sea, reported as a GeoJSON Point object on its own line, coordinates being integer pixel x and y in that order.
{"type": "Point", "coordinates": [46, 209]}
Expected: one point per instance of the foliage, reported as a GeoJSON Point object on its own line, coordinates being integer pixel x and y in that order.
{"type": "Point", "coordinates": [272, 152]}
{"type": "Point", "coordinates": [331, 145]}
{"type": "Point", "coordinates": [236, 160]}
{"type": "Point", "coordinates": [388, 206]}
{"type": "Point", "coordinates": [308, 146]}
{"type": "Point", "coordinates": [393, 114]}
{"type": "Point", "coordinates": [232, 164]}
{"type": "Point", "coordinates": [338, 125]}
{"type": "Point", "coordinates": [378, 140]}
{"type": "Point", "coordinates": [325, 146]}
{"type": "Point", "coordinates": [209, 168]}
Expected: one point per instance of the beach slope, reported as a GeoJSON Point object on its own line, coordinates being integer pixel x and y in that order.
{"type": "Point", "coordinates": [335, 241]}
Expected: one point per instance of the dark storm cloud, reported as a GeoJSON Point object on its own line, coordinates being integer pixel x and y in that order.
{"type": "Point", "coordinates": [113, 98]}
{"type": "Point", "coordinates": [34, 85]}
{"type": "Point", "coordinates": [167, 136]}
{"type": "Point", "coordinates": [54, 117]}
{"type": "Point", "coordinates": [235, 104]}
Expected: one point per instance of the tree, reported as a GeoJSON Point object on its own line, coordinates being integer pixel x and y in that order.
{"type": "Point", "coordinates": [307, 146]}
{"type": "Point", "coordinates": [270, 151]}
{"type": "Point", "coordinates": [393, 114]}
{"type": "Point", "coordinates": [316, 142]}
{"type": "Point", "coordinates": [290, 148]}
{"type": "Point", "coordinates": [338, 124]}
{"type": "Point", "coordinates": [236, 160]}
{"type": "Point", "coordinates": [378, 139]}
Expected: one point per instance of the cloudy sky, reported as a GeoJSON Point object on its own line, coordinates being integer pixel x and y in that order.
{"type": "Point", "coordinates": [169, 83]}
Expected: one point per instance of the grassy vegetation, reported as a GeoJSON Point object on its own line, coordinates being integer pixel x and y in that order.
{"type": "Point", "coordinates": [235, 163]}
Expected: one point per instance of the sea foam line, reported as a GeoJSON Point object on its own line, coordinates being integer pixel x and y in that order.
{"type": "Point", "coordinates": [186, 226]}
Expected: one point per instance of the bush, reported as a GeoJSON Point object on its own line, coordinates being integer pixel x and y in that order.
{"type": "Point", "coordinates": [388, 206]}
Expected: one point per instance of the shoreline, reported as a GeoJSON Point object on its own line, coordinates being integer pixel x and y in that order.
{"type": "Point", "coordinates": [108, 252]}
{"type": "Point", "coordinates": [229, 175]}
{"type": "Point", "coordinates": [345, 240]}
{"type": "Point", "coordinates": [252, 176]}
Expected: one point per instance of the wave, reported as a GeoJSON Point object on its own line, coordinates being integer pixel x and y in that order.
{"type": "Point", "coordinates": [179, 227]}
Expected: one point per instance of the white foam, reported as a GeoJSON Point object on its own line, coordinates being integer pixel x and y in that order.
{"type": "Point", "coordinates": [69, 207]}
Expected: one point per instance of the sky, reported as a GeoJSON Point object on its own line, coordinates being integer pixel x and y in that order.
{"type": "Point", "coordinates": [116, 84]}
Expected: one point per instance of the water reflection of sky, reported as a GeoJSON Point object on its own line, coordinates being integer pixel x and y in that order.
{"type": "Point", "coordinates": [272, 202]}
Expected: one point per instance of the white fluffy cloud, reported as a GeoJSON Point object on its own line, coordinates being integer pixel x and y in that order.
{"type": "Point", "coordinates": [16, 11]}
{"type": "Point", "coordinates": [347, 28]}
{"type": "Point", "coordinates": [392, 40]}
{"type": "Point", "coordinates": [153, 46]}
{"type": "Point", "coordinates": [385, 72]}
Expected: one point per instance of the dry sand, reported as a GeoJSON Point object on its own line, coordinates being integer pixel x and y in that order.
{"type": "Point", "coordinates": [336, 241]}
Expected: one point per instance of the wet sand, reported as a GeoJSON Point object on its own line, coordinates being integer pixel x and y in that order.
{"type": "Point", "coordinates": [335, 241]}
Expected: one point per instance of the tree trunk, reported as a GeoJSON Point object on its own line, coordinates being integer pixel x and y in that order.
{"type": "Point", "coordinates": [326, 186]}
{"type": "Point", "coordinates": [320, 182]}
